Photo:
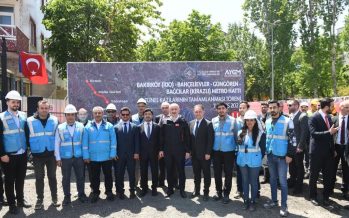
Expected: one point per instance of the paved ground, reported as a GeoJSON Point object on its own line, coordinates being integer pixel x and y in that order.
{"type": "Point", "coordinates": [159, 206]}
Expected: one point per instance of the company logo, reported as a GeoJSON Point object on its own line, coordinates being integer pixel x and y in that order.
{"type": "Point", "coordinates": [189, 73]}
{"type": "Point", "coordinates": [232, 73]}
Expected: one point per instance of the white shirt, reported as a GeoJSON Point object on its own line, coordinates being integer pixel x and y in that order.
{"type": "Point", "coordinates": [146, 127]}
{"type": "Point", "coordinates": [16, 118]}
{"type": "Point", "coordinates": [324, 116]}
{"type": "Point", "coordinates": [294, 115]}
{"type": "Point", "coordinates": [127, 125]}
{"type": "Point", "coordinates": [195, 125]}
{"type": "Point", "coordinates": [58, 140]}
{"type": "Point", "coordinates": [98, 124]}
{"type": "Point", "coordinates": [340, 118]}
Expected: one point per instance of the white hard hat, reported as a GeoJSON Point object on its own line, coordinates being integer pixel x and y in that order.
{"type": "Point", "coordinates": [249, 115]}
{"type": "Point", "coordinates": [141, 100]}
{"type": "Point", "coordinates": [304, 104]}
{"type": "Point", "coordinates": [111, 106]}
{"type": "Point", "coordinates": [14, 95]}
{"type": "Point", "coordinates": [70, 109]}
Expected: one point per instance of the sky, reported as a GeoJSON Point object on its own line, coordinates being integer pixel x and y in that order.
{"type": "Point", "coordinates": [223, 11]}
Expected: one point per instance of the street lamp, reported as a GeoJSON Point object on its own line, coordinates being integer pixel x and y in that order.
{"type": "Point", "coordinates": [271, 25]}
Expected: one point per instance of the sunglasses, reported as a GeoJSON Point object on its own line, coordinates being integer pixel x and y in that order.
{"type": "Point", "coordinates": [124, 115]}
{"type": "Point", "coordinates": [111, 111]}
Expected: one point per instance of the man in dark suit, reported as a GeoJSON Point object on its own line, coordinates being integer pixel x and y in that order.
{"type": "Point", "coordinates": [322, 151]}
{"type": "Point", "coordinates": [201, 143]}
{"type": "Point", "coordinates": [175, 148]}
{"type": "Point", "coordinates": [301, 131]}
{"type": "Point", "coordinates": [149, 140]}
{"type": "Point", "coordinates": [341, 142]}
{"type": "Point", "coordinates": [127, 135]}
{"type": "Point", "coordinates": [160, 119]}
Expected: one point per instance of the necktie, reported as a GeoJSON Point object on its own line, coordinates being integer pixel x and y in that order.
{"type": "Point", "coordinates": [342, 141]}
{"type": "Point", "coordinates": [327, 123]}
{"type": "Point", "coordinates": [148, 130]}
{"type": "Point", "coordinates": [125, 127]}
{"type": "Point", "coordinates": [196, 128]}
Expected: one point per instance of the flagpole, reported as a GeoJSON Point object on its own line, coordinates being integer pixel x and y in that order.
{"type": "Point", "coordinates": [4, 85]}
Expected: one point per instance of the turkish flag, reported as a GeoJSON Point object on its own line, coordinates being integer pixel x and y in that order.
{"type": "Point", "coordinates": [33, 67]}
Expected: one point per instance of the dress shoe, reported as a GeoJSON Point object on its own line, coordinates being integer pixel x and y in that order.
{"type": "Point", "coordinates": [183, 194]}
{"type": "Point", "coordinates": [83, 198]}
{"type": "Point", "coordinates": [110, 197]}
{"type": "Point", "coordinates": [326, 202]}
{"type": "Point", "coordinates": [195, 194]}
{"type": "Point", "coordinates": [205, 197]}
{"type": "Point", "coordinates": [154, 192]}
{"type": "Point", "coordinates": [66, 201]}
{"type": "Point", "coordinates": [169, 193]}
{"type": "Point", "coordinates": [55, 202]}
{"type": "Point", "coordinates": [226, 200]}
{"type": "Point", "coordinates": [132, 195]}
{"type": "Point", "coordinates": [23, 203]}
{"type": "Point", "coordinates": [13, 209]}
{"type": "Point", "coordinates": [217, 197]}
{"type": "Point", "coordinates": [39, 205]}
{"type": "Point", "coordinates": [143, 193]}
{"type": "Point", "coordinates": [94, 198]}
{"type": "Point", "coordinates": [315, 202]}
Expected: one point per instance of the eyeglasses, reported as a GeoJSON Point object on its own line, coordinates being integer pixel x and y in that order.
{"type": "Point", "coordinates": [125, 115]}
{"type": "Point", "coordinates": [111, 111]}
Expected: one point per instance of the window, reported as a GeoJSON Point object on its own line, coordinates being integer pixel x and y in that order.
{"type": "Point", "coordinates": [6, 15]}
{"type": "Point", "coordinates": [32, 32]}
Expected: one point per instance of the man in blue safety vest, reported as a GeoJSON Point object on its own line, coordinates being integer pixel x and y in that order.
{"type": "Point", "coordinates": [99, 149]}
{"type": "Point", "coordinates": [41, 131]}
{"type": "Point", "coordinates": [13, 147]}
{"type": "Point", "coordinates": [280, 147]}
{"type": "Point", "coordinates": [68, 153]}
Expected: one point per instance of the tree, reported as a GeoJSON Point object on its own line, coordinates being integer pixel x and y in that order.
{"type": "Point", "coordinates": [195, 39]}
{"type": "Point", "coordinates": [275, 19]}
{"type": "Point", "coordinates": [249, 49]}
{"type": "Point", "coordinates": [100, 30]}
{"type": "Point", "coordinates": [330, 10]}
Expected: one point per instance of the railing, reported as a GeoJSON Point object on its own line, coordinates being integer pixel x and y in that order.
{"type": "Point", "coordinates": [8, 31]}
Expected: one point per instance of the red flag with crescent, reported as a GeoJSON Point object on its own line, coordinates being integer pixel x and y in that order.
{"type": "Point", "coordinates": [33, 67]}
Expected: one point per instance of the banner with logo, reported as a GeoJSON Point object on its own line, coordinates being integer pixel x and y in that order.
{"type": "Point", "coordinates": [185, 83]}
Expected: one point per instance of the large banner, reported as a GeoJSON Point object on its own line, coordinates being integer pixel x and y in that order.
{"type": "Point", "coordinates": [185, 83]}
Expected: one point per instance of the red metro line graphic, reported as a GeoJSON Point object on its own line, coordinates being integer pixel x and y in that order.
{"type": "Point", "coordinates": [105, 99]}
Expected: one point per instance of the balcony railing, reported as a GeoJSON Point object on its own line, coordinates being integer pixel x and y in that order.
{"type": "Point", "coordinates": [8, 31]}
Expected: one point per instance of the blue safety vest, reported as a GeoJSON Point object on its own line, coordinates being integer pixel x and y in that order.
{"type": "Point", "coordinates": [135, 119]}
{"type": "Point", "coordinates": [248, 154]}
{"type": "Point", "coordinates": [42, 138]}
{"type": "Point", "coordinates": [224, 134]}
{"type": "Point", "coordinates": [70, 146]}
{"type": "Point", "coordinates": [99, 144]}
{"type": "Point", "coordinates": [14, 136]}
{"type": "Point", "coordinates": [277, 138]}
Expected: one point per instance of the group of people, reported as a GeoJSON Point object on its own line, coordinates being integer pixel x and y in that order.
{"type": "Point", "coordinates": [122, 141]}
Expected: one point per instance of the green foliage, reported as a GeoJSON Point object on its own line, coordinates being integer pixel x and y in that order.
{"type": "Point", "coordinates": [101, 30]}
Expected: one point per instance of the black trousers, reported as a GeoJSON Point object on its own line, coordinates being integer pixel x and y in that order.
{"type": "Point", "coordinates": [106, 167]}
{"type": "Point", "coordinates": [39, 169]}
{"type": "Point", "coordinates": [223, 161]}
{"type": "Point", "coordinates": [175, 164]}
{"type": "Point", "coordinates": [345, 169]}
{"type": "Point", "coordinates": [122, 164]}
{"type": "Point", "coordinates": [15, 171]}
{"type": "Point", "coordinates": [204, 166]}
{"type": "Point", "coordinates": [324, 163]}
{"type": "Point", "coordinates": [88, 167]}
{"type": "Point", "coordinates": [162, 173]}
{"type": "Point", "coordinates": [2, 190]}
{"type": "Point", "coordinates": [297, 171]}
{"type": "Point", "coordinates": [145, 162]}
